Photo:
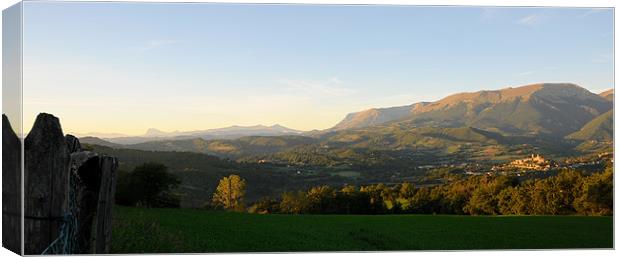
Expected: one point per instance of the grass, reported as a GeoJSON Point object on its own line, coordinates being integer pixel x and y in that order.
{"type": "Point", "coordinates": [137, 230]}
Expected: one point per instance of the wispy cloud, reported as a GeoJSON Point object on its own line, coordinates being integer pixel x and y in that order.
{"type": "Point", "coordinates": [332, 87]}
{"type": "Point", "coordinates": [530, 20]}
{"type": "Point", "coordinates": [154, 44]}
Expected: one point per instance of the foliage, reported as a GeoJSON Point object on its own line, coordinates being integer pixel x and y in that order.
{"type": "Point", "coordinates": [124, 189]}
{"type": "Point", "coordinates": [230, 193]}
{"type": "Point", "coordinates": [569, 192]}
{"type": "Point", "coordinates": [484, 198]}
{"type": "Point", "coordinates": [148, 185]}
{"type": "Point", "coordinates": [595, 196]}
{"type": "Point", "coordinates": [265, 205]}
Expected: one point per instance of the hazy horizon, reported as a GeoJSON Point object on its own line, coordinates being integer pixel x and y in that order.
{"type": "Point", "coordinates": [113, 134]}
{"type": "Point", "coordinates": [127, 67]}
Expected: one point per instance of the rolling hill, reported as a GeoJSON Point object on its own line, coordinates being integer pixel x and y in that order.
{"type": "Point", "coordinates": [98, 141]}
{"type": "Point", "coordinates": [372, 146]}
{"type": "Point", "coordinates": [400, 147]}
{"type": "Point", "coordinates": [199, 173]}
{"type": "Point", "coordinates": [599, 129]}
{"type": "Point", "coordinates": [230, 148]}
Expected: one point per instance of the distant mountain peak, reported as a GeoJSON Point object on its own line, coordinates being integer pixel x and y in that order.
{"type": "Point", "coordinates": [153, 132]}
{"type": "Point", "coordinates": [281, 128]}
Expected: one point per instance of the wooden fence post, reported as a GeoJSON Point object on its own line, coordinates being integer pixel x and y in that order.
{"type": "Point", "coordinates": [95, 199]}
{"type": "Point", "coordinates": [88, 177]}
{"type": "Point", "coordinates": [46, 174]}
{"type": "Point", "coordinates": [108, 167]}
{"type": "Point", "coordinates": [11, 188]}
{"type": "Point", "coordinates": [65, 184]}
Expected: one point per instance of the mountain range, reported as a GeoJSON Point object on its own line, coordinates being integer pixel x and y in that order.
{"type": "Point", "coordinates": [232, 132]}
{"type": "Point", "coordinates": [553, 109]}
{"type": "Point", "coordinates": [558, 119]}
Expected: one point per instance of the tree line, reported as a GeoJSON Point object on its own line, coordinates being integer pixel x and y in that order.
{"type": "Point", "coordinates": [568, 192]}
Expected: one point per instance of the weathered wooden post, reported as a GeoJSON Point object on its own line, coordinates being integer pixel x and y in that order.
{"type": "Point", "coordinates": [87, 179]}
{"type": "Point", "coordinates": [11, 188]}
{"type": "Point", "coordinates": [108, 166]}
{"type": "Point", "coordinates": [46, 178]}
{"type": "Point", "coordinates": [73, 144]}
{"type": "Point", "coordinates": [94, 189]}
{"type": "Point", "coordinates": [69, 193]}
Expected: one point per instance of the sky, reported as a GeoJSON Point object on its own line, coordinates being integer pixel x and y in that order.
{"type": "Point", "coordinates": [11, 62]}
{"type": "Point", "coordinates": [126, 67]}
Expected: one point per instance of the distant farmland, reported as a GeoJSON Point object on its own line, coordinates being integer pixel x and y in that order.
{"type": "Point", "coordinates": [137, 230]}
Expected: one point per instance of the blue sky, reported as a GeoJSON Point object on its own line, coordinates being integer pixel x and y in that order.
{"type": "Point", "coordinates": [199, 66]}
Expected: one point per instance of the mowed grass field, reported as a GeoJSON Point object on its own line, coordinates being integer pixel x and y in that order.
{"type": "Point", "coordinates": [139, 230]}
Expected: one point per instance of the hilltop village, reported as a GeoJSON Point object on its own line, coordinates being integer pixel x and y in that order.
{"type": "Point", "coordinates": [538, 163]}
{"type": "Point", "coordinates": [533, 163]}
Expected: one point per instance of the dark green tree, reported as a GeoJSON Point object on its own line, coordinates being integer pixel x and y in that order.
{"type": "Point", "coordinates": [149, 185]}
{"type": "Point", "coordinates": [124, 194]}
{"type": "Point", "coordinates": [596, 194]}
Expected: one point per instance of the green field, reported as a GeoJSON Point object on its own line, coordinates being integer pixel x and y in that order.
{"type": "Point", "coordinates": [138, 230]}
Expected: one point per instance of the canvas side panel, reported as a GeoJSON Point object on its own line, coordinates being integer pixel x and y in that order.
{"type": "Point", "coordinates": [12, 132]}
